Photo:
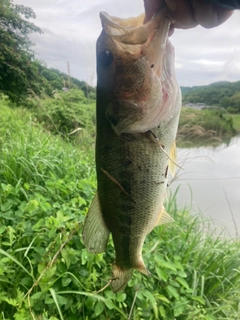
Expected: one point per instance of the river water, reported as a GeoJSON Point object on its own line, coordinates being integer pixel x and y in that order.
{"type": "Point", "coordinates": [210, 183]}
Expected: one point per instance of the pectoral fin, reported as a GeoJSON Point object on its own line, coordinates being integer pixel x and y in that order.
{"type": "Point", "coordinates": [95, 232]}
{"type": "Point", "coordinates": [164, 217]}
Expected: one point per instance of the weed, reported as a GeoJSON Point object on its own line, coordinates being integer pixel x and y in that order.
{"type": "Point", "coordinates": [204, 127]}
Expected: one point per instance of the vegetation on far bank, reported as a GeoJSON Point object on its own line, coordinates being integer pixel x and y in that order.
{"type": "Point", "coordinates": [222, 94]}
{"type": "Point", "coordinates": [47, 183]}
{"type": "Point", "coordinates": [205, 127]}
{"type": "Point", "coordinates": [236, 122]}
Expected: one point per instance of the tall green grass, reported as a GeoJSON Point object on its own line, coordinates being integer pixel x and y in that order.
{"type": "Point", "coordinates": [46, 185]}
{"type": "Point", "coordinates": [205, 127]}
{"type": "Point", "coordinates": [69, 114]}
{"type": "Point", "coordinates": [236, 122]}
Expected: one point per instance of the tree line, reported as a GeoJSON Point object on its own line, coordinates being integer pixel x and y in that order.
{"type": "Point", "coordinates": [222, 94]}
{"type": "Point", "coordinates": [19, 69]}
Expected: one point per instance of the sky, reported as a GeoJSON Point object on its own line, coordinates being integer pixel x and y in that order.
{"type": "Point", "coordinates": [71, 28]}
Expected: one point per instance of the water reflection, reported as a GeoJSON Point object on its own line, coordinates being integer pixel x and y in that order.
{"type": "Point", "coordinates": [213, 174]}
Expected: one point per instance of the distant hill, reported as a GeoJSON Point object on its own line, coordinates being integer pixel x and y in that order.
{"type": "Point", "coordinates": [60, 80]}
{"type": "Point", "coordinates": [223, 94]}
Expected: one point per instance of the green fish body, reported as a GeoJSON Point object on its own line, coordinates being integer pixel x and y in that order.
{"type": "Point", "coordinates": [138, 106]}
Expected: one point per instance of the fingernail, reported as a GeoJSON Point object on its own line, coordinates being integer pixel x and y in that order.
{"type": "Point", "coordinates": [172, 5]}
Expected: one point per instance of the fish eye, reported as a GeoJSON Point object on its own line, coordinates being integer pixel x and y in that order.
{"type": "Point", "coordinates": [105, 58]}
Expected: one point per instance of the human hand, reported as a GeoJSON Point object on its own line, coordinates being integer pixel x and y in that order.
{"type": "Point", "coordinates": [189, 13]}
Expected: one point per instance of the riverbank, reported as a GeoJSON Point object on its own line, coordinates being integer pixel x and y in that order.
{"type": "Point", "coordinates": [236, 122]}
{"type": "Point", "coordinates": [47, 184]}
{"type": "Point", "coordinates": [206, 127]}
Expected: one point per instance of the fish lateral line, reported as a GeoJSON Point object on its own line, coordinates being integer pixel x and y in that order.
{"type": "Point", "coordinates": [110, 177]}
{"type": "Point", "coordinates": [155, 139]}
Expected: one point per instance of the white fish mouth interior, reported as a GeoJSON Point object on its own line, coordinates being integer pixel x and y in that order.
{"type": "Point", "coordinates": [121, 23]}
{"type": "Point", "coordinates": [133, 30]}
{"type": "Point", "coordinates": [127, 31]}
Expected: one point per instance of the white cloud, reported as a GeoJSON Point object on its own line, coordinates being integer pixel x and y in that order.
{"type": "Point", "coordinates": [72, 27]}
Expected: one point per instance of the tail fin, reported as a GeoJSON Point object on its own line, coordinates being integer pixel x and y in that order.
{"type": "Point", "coordinates": [120, 278]}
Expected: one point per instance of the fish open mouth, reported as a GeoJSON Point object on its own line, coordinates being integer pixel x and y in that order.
{"type": "Point", "coordinates": [133, 30]}
{"type": "Point", "coordinates": [135, 66]}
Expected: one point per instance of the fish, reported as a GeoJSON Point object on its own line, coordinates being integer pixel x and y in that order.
{"type": "Point", "coordinates": [137, 112]}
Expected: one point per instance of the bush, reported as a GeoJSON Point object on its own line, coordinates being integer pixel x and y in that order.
{"type": "Point", "coordinates": [69, 114]}
{"type": "Point", "coordinates": [204, 127]}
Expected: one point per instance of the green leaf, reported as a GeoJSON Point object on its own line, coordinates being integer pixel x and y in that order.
{"type": "Point", "coordinates": [66, 281]}
{"type": "Point", "coordinates": [39, 224]}
{"type": "Point", "coordinates": [172, 292]}
{"type": "Point", "coordinates": [167, 265]}
{"type": "Point", "coordinates": [26, 281]}
{"type": "Point", "coordinates": [162, 274]}
{"type": "Point", "coordinates": [162, 312]}
{"type": "Point", "coordinates": [178, 309]}
{"type": "Point", "coordinates": [37, 296]}
{"type": "Point", "coordinates": [198, 299]}
{"type": "Point", "coordinates": [174, 283]}
{"type": "Point", "coordinates": [162, 298]}
{"type": "Point", "coordinates": [182, 274]}
{"type": "Point", "coordinates": [61, 300]}
{"type": "Point", "coordinates": [149, 295]}
{"type": "Point", "coordinates": [16, 261]}
{"type": "Point", "coordinates": [183, 282]}
{"type": "Point", "coordinates": [98, 308]}
{"type": "Point", "coordinates": [84, 256]}
{"type": "Point", "coordinates": [2, 229]}
{"type": "Point", "coordinates": [107, 302]}
{"type": "Point", "coordinates": [6, 206]}
{"type": "Point", "coordinates": [121, 297]}
{"type": "Point", "coordinates": [53, 293]}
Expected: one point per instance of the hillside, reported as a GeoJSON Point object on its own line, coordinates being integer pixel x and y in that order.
{"type": "Point", "coordinates": [223, 94]}
{"type": "Point", "coordinates": [58, 80]}
{"type": "Point", "coordinates": [20, 71]}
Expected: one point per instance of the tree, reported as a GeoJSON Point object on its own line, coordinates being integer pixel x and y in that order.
{"type": "Point", "coordinates": [18, 69]}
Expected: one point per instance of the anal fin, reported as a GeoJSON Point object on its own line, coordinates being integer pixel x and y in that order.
{"type": "Point", "coordinates": [164, 217]}
{"type": "Point", "coordinates": [95, 232]}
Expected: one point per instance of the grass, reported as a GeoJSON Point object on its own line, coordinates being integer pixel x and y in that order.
{"type": "Point", "coordinates": [236, 122]}
{"type": "Point", "coordinates": [46, 185]}
{"type": "Point", "coordinates": [205, 127]}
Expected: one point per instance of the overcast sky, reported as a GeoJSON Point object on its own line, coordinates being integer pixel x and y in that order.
{"type": "Point", "coordinates": [71, 28]}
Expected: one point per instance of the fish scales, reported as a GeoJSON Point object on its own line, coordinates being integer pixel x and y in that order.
{"type": "Point", "coordinates": [144, 180]}
{"type": "Point", "coordinates": [132, 131]}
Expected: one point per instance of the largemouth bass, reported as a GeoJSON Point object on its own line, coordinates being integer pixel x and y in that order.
{"type": "Point", "coordinates": [138, 106]}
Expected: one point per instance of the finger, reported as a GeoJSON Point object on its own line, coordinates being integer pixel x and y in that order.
{"type": "Point", "coordinates": [151, 7]}
{"type": "Point", "coordinates": [182, 13]}
{"type": "Point", "coordinates": [209, 15]}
